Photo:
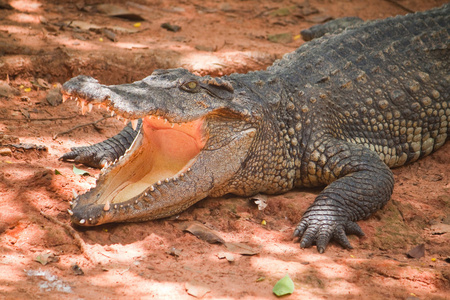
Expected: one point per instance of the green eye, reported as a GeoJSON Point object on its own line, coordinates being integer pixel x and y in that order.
{"type": "Point", "coordinates": [191, 85]}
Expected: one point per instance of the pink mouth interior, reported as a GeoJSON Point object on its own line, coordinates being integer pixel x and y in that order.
{"type": "Point", "coordinates": [161, 152]}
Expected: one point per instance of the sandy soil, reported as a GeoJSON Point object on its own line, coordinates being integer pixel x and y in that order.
{"type": "Point", "coordinates": [43, 257]}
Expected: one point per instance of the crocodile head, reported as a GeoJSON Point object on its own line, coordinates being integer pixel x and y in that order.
{"type": "Point", "coordinates": [196, 133]}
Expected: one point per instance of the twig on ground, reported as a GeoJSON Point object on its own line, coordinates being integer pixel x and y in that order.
{"type": "Point", "coordinates": [73, 233]}
{"type": "Point", "coordinates": [400, 6]}
{"type": "Point", "coordinates": [39, 119]}
{"type": "Point", "coordinates": [79, 126]}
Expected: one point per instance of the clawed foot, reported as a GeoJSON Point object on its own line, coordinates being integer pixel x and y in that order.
{"type": "Point", "coordinates": [86, 155]}
{"type": "Point", "coordinates": [320, 229]}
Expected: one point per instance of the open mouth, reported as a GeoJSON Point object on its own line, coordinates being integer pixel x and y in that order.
{"type": "Point", "coordinates": [161, 153]}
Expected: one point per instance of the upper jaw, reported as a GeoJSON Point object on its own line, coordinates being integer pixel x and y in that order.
{"type": "Point", "coordinates": [129, 101]}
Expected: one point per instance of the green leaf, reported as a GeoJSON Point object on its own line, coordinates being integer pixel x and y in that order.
{"type": "Point", "coordinates": [57, 172]}
{"type": "Point", "coordinates": [284, 286]}
{"type": "Point", "coordinates": [80, 172]}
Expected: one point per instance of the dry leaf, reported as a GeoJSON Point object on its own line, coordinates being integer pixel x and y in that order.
{"type": "Point", "coordinates": [228, 256]}
{"type": "Point", "coordinates": [25, 113]}
{"type": "Point", "coordinates": [54, 97]}
{"type": "Point", "coordinates": [203, 232]}
{"type": "Point", "coordinates": [440, 228]}
{"type": "Point", "coordinates": [319, 19]}
{"type": "Point", "coordinates": [122, 29]}
{"type": "Point", "coordinates": [174, 252]}
{"type": "Point", "coordinates": [46, 257]}
{"type": "Point", "coordinates": [240, 248]}
{"type": "Point", "coordinates": [417, 252]}
{"type": "Point", "coordinates": [41, 82]}
{"type": "Point", "coordinates": [112, 10]}
{"type": "Point", "coordinates": [260, 200]}
{"type": "Point", "coordinates": [171, 27]}
{"type": "Point", "coordinates": [197, 289]}
{"type": "Point", "coordinates": [85, 26]}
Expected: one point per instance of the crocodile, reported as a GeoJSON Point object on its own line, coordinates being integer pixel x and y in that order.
{"type": "Point", "coordinates": [339, 112]}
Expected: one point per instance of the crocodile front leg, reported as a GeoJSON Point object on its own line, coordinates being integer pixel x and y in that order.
{"type": "Point", "coordinates": [359, 183]}
{"type": "Point", "coordinates": [100, 154]}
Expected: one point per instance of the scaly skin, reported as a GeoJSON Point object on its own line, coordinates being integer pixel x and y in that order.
{"type": "Point", "coordinates": [338, 112]}
{"type": "Point", "coordinates": [333, 26]}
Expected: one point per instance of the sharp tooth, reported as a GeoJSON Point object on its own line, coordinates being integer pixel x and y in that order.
{"type": "Point", "coordinates": [82, 221]}
{"type": "Point", "coordinates": [65, 97]}
{"type": "Point", "coordinates": [134, 124]}
{"type": "Point", "coordinates": [125, 121]}
{"type": "Point", "coordinates": [71, 203]}
{"type": "Point", "coordinates": [107, 206]}
{"type": "Point", "coordinates": [74, 193]}
{"type": "Point", "coordinates": [188, 169]}
{"type": "Point", "coordinates": [70, 212]}
{"type": "Point", "coordinates": [165, 120]}
{"type": "Point", "coordinates": [152, 188]}
{"type": "Point", "coordinates": [112, 113]}
{"type": "Point", "coordinates": [172, 125]}
{"type": "Point", "coordinates": [90, 106]}
{"type": "Point", "coordinates": [83, 107]}
{"type": "Point", "coordinates": [76, 99]}
{"type": "Point", "coordinates": [118, 118]}
{"type": "Point", "coordinates": [166, 180]}
{"type": "Point", "coordinates": [181, 174]}
{"type": "Point", "coordinates": [159, 117]}
{"type": "Point", "coordinates": [107, 108]}
{"type": "Point", "coordinates": [159, 182]}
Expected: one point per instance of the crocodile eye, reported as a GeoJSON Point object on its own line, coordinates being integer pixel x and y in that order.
{"type": "Point", "coordinates": [191, 85]}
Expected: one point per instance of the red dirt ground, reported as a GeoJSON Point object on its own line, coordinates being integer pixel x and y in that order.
{"type": "Point", "coordinates": [39, 50]}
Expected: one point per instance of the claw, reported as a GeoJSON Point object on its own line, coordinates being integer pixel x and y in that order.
{"type": "Point", "coordinates": [353, 228]}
